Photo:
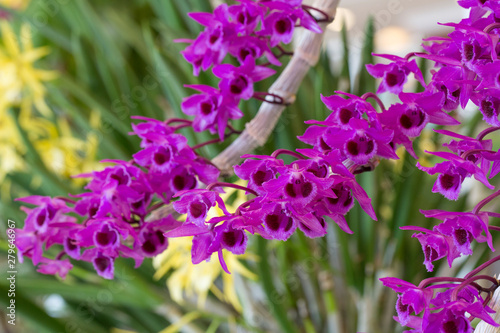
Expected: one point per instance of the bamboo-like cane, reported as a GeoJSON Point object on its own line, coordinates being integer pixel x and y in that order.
{"type": "Point", "coordinates": [258, 130]}
{"type": "Point", "coordinates": [483, 327]}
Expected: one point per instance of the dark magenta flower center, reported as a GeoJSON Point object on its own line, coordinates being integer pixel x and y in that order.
{"type": "Point", "coordinates": [182, 182]}
{"type": "Point", "coordinates": [106, 237]}
{"type": "Point", "coordinates": [238, 85]}
{"type": "Point", "coordinates": [412, 119]}
{"type": "Point", "coordinates": [162, 156]}
{"type": "Point", "coordinates": [448, 181]}
{"type": "Point", "coordinates": [120, 176]}
{"type": "Point", "coordinates": [197, 209]}
{"type": "Point", "coordinates": [430, 253]}
{"type": "Point", "coordinates": [102, 263]}
{"type": "Point", "coordinates": [283, 26]}
{"type": "Point", "coordinates": [450, 327]}
{"type": "Point", "coordinates": [298, 188]}
{"type": "Point", "coordinates": [233, 238]}
{"type": "Point", "coordinates": [345, 115]}
{"type": "Point", "coordinates": [462, 236]}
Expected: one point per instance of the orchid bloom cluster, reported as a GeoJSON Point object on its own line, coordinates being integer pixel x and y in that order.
{"type": "Point", "coordinates": [286, 197]}
{"type": "Point", "coordinates": [467, 69]}
{"type": "Point", "coordinates": [247, 31]}
{"type": "Point", "coordinates": [250, 28]}
{"type": "Point", "coordinates": [112, 219]}
{"type": "Point", "coordinates": [114, 210]}
{"type": "Point", "coordinates": [351, 140]}
{"type": "Point", "coordinates": [319, 184]}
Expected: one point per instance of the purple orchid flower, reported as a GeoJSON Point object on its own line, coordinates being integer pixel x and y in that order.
{"type": "Point", "coordinates": [412, 299]}
{"type": "Point", "coordinates": [212, 44]}
{"type": "Point", "coordinates": [258, 172]}
{"type": "Point", "coordinates": [434, 245]}
{"type": "Point", "coordinates": [211, 109]}
{"type": "Point", "coordinates": [473, 150]}
{"type": "Point", "coordinates": [448, 81]}
{"type": "Point", "coordinates": [146, 129]}
{"type": "Point", "coordinates": [41, 217]}
{"type": "Point", "coordinates": [246, 16]}
{"type": "Point", "coordinates": [242, 47]}
{"type": "Point", "coordinates": [161, 156]}
{"type": "Point", "coordinates": [196, 204]}
{"type": "Point", "coordinates": [395, 74]}
{"type": "Point", "coordinates": [452, 173]}
{"type": "Point", "coordinates": [46, 224]}
{"type": "Point", "coordinates": [297, 186]}
{"type": "Point", "coordinates": [491, 5]}
{"type": "Point", "coordinates": [417, 110]}
{"type": "Point", "coordinates": [452, 318]}
{"type": "Point", "coordinates": [104, 265]}
{"type": "Point", "coordinates": [280, 22]}
{"type": "Point", "coordinates": [489, 105]}
{"type": "Point", "coordinates": [237, 82]}
{"type": "Point", "coordinates": [345, 109]}
{"type": "Point", "coordinates": [276, 219]}
{"type": "Point", "coordinates": [150, 240]}
{"type": "Point", "coordinates": [53, 267]}
{"type": "Point", "coordinates": [104, 234]}
{"type": "Point", "coordinates": [463, 228]}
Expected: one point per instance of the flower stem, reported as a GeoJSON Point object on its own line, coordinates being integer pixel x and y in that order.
{"type": "Point", "coordinates": [283, 51]}
{"type": "Point", "coordinates": [243, 205]}
{"type": "Point", "coordinates": [216, 140]}
{"type": "Point", "coordinates": [206, 143]}
{"type": "Point", "coordinates": [326, 17]}
{"type": "Point", "coordinates": [475, 151]}
{"type": "Point", "coordinates": [492, 26]}
{"type": "Point", "coordinates": [233, 130]}
{"type": "Point", "coordinates": [481, 267]}
{"type": "Point", "coordinates": [375, 97]}
{"type": "Point", "coordinates": [177, 120]}
{"type": "Point", "coordinates": [493, 214]}
{"type": "Point", "coordinates": [258, 95]}
{"type": "Point", "coordinates": [155, 207]}
{"type": "Point", "coordinates": [424, 283]}
{"type": "Point", "coordinates": [468, 281]}
{"type": "Point", "coordinates": [286, 152]}
{"type": "Point", "coordinates": [414, 54]}
{"type": "Point", "coordinates": [486, 132]}
{"type": "Point", "coordinates": [60, 255]}
{"type": "Point", "coordinates": [493, 227]}
{"type": "Point", "coordinates": [184, 123]}
{"type": "Point", "coordinates": [68, 200]}
{"type": "Point", "coordinates": [357, 169]}
{"type": "Point", "coordinates": [238, 187]}
{"type": "Point", "coordinates": [485, 201]}
{"type": "Point", "coordinates": [176, 128]}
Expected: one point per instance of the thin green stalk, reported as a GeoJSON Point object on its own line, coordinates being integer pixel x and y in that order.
{"type": "Point", "coordinates": [276, 308]}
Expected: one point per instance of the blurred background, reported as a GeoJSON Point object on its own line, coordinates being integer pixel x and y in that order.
{"type": "Point", "coordinates": [71, 75]}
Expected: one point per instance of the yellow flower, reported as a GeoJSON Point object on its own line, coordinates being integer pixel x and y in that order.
{"type": "Point", "coordinates": [21, 84]}
{"type": "Point", "coordinates": [62, 153]}
{"type": "Point", "coordinates": [10, 148]}
{"type": "Point", "coordinates": [15, 4]}
{"type": "Point", "coordinates": [199, 279]}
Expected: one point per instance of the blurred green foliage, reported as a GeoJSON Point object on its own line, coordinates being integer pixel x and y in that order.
{"type": "Point", "coordinates": [118, 58]}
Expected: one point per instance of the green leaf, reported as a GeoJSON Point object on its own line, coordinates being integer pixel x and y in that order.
{"type": "Point", "coordinates": [36, 162]}
{"type": "Point", "coordinates": [25, 308]}
{"type": "Point", "coordinates": [273, 297]}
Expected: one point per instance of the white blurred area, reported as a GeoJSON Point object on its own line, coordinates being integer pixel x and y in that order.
{"type": "Point", "coordinates": [400, 25]}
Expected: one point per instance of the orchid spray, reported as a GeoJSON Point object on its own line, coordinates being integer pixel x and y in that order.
{"type": "Point", "coordinates": [123, 212]}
